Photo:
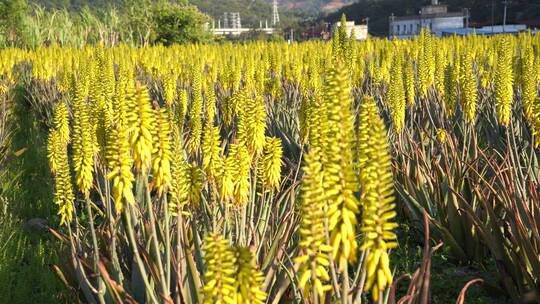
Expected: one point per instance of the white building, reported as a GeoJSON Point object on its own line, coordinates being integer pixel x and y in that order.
{"type": "Point", "coordinates": [435, 17]}
{"type": "Point", "coordinates": [360, 30]}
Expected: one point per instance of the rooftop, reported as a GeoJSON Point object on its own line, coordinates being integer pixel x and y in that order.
{"type": "Point", "coordinates": [487, 30]}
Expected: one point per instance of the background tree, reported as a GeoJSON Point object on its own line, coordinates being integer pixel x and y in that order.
{"type": "Point", "coordinates": [12, 22]}
{"type": "Point", "coordinates": [137, 20]}
{"type": "Point", "coordinates": [179, 23]}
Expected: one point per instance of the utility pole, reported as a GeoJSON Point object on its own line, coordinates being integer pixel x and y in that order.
{"type": "Point", "coordinates": [505, 2]}
{"type": "Point", "coordinates": [367, 25]}
{"type": "Point", "coordinates": [292, 35]}
{"type": "Point", "coordinates": [390, 26]}
{"type": "Point", "coordinates": [492, 15]}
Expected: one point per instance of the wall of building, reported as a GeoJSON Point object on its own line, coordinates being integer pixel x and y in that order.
{"type": "Point", "coordinates": [405, 28]}
{"type": "Point", "coordinates": [361, 30]}
{"type": "Point", "coordinates": [447, 23]}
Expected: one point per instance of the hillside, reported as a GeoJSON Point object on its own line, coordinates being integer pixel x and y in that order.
{"type": "Point", "coordinates": [378, 11]}
{"type": "Point", "coordinates": [254, 11]}
{"type": "Point", "coordinates": [314, 6]}
{"type": "Point", "coordinates": [251, 11]}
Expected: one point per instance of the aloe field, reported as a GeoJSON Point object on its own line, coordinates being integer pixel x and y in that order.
{"type": "Point", "coordinates": [379, 171]}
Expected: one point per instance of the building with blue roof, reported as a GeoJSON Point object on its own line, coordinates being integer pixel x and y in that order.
{"type": "Point", "coordinates": [483, 31]}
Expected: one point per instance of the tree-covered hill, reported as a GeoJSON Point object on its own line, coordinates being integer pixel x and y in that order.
{"type": "Point", "coordinates": [251, 11]}
{"type": "Point", "coordinates": [294, 12]}
{"type": "Point", "coordinates": [314, 6]}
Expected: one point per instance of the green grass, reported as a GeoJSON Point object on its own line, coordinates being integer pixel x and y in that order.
{"type": "Point", "coordinates": [24, 274]}
{"type": "Point", "coordinates": [25, 254]}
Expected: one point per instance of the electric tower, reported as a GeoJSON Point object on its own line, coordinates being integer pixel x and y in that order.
{"type": "Point", "coordinates": [275, 14]}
